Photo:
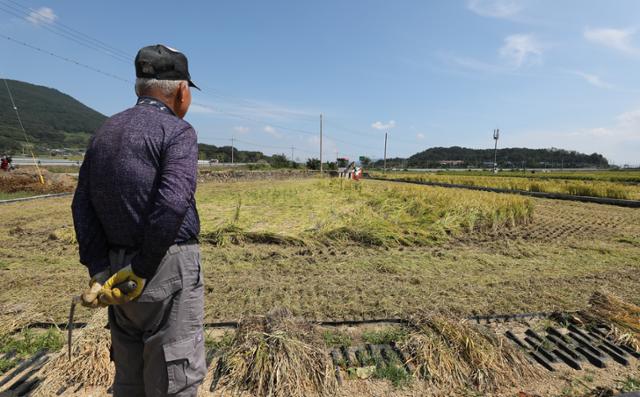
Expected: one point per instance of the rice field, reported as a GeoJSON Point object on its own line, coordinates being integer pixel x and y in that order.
{"type": "Point", "coordinates": [626, 176]}
{"type": "Point", "coordinates": [333, 249]}
{"type": "Point", "coordinates": [313, 212]}
{"type": "Point", "coordinates": [573, 186]}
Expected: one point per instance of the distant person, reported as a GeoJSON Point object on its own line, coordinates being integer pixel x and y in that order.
{"type": "Point", "coordinates": [138, 221]}
{"type": "Point", "coordinates": [4, 164]}
{"type": "Point", "coordinates": [10, 163]}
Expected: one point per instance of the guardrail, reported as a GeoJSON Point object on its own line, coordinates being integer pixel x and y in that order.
{"type": "Point", "coordinates": [42, 196]}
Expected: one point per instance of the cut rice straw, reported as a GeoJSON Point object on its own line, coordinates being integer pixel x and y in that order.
{"type": "Point", "coordinates": [453, 354]}
{"type": "Point", "coordinates": [277, 355]}
{"type": "Point", "coordinates": [622, 318]}
{"type": "Point", "coordinates": [90, 365]}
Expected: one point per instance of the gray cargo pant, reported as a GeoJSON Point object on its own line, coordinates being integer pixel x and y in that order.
{"type": "Point", "coordinates": [157, 341]}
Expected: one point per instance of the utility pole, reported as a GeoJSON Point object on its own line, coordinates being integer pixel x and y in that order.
{"type": "Point", "coordinates": [231, 150]}
{"type": "Point", "coordinates": [320, 143]}
{"type": "Point", "coordinates": [385, 152]}
{"type": "Point", "coordinates": [496, 135]}
{"type": "Point", "coordinates": [292, 149]}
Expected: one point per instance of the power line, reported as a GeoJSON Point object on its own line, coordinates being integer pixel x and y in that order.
{"type": "Point", "coordinates": [24, 131]}
{"type": "Point", "coordinates": [76, 32]}
{"type": "Point", "coordinates": [52, 26]}
{"type": "Point", "coordinates": [364, 134]}
{"type": "Point", "coordinates": [33, 47]}
{"type": "Point", "coordinates": [239, 116]}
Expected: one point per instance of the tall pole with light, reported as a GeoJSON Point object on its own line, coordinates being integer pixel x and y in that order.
{"type": "Point", "coordinates": [496, 135]}
{"type": "Point", "coordinates": [385, 152]}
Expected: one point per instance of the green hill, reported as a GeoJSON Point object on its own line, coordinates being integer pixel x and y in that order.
{"type": "Point", "coordinates": [52, 119]}
{"type": "Point", "coordinates": [460, 157]}
{"type": "Point", "coordinates": [55, 120]}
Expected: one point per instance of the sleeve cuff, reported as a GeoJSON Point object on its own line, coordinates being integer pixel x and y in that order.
{"type": "Point", "coordinates": [139, 267]}
{"type": "Point", "coordinates": [96, 267]}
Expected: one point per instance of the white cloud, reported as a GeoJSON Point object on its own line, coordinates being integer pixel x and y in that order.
{"type": "Point", "coordinates": [245, 108]}
{"type": "Point", "coordinates": [420, 135]}
{"type": "Point", "coordinates": [241, 130]}
{"type": "Point", "coordinates": [42, 16]}
{"type": "Point", "coordinates": [379, 125]}
{"type": "Point", "coordinates": [272, 131]}
{"type": "Point", "coordinates": [619, 142]}
{"type": "Point", "coordinates": [473, 64]}
{"type": "Point", "coordinates": [495, 8]}
{"type": "Point", "coordinates": [617, 39]}
{"type": "Point", "coordinates": [630, 121]}
{"type": "Point", "coordinates": [592, 79]}
{"type": "Point", "coordinates": [200, 109]}
{"type": "Point", "coordinates": [521, 49]}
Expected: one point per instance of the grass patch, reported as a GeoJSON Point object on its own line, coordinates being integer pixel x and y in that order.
{"type": "Point", "coordinates": [221, 343]}
{"type": "Point", "coordinates": [15, 195]}
{"type": "Point", "coordinates": [336, 339]}
{"type": "Point", "coordinates": [385, 336]}
{"type": "Point", "coordinates": [630, 384]}
{"type": "Point", "coordinates": [393, 372]}
{"type": "Point", "coordinates": [26, 343]}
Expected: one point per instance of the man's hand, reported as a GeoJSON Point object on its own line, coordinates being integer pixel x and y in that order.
{"type": "Point", "coordinates": [90, 296]}
{"type": "Point", "coordinates": [109, 295]}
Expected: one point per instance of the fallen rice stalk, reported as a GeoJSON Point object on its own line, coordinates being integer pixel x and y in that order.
{"type": "Point", "coordinates": [90, 365]}
{"type": "Point", "coordinates": [16, 317]}
{"type": "Point", "coordinates": [277, 355]}
{"type": "Point", "coordinates": [621, 317]}
{"type": "Point", "coordinates": [236, 235]}
{"type": "Point", "coordinates": [455, 355]}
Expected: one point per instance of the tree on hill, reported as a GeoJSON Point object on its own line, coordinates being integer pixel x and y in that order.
{"type": "Point", "coordinates": [51, 118]}
{"type": "Point", "coordinates": [223, 154]}
{"type": "Point", "coordinates": [313, 164]}
{"type": "Point", "coordinates": [279, 161]}
{"type": "Point", "coordinates": [441, 157]}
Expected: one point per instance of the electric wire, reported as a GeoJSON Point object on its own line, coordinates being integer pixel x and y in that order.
{"type": "Point", "coordinates": [24, 131]}
{"type": "Point", "coordinates": [74, 31]}
{"type": "Point", "coordinates": [235, 115]}
{"type": "Point", "coordinates": [77, 63]}
{"type": "Point", "coordinates": [51, 27]}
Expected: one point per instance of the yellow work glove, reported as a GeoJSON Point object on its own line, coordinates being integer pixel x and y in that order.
{"type": "Point", "coordinates": [90, 296]}
{"type": "Point", "coordinates": [113, 296]}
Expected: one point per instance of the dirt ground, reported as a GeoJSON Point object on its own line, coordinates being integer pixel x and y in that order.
{"type": "Point", "coordinates": [554, 263]}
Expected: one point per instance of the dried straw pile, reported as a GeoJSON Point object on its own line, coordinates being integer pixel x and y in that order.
{"type": "Point", "coordinates": [622, 318]}
{"type": "Point", "coordinates": [90, 365]}
{"type": "Point", "coordinates": [277, 355]}
{"type": "Point", "coordinates": [27, 180]}
{"type": "Point", "coordinates": [17, 316]}
{"type": "Point", "coordinates": [456, 355]}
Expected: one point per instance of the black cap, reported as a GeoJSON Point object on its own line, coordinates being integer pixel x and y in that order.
{"type": "Point", "coordinates": [162, 63]}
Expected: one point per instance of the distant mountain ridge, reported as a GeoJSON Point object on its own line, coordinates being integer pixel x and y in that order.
{"type": "Point", "coordinates": [52, 119]}
{"type": "Point", "coordinates": [460, 157]}
{"type": "Point", "coordinates": [55, 120]}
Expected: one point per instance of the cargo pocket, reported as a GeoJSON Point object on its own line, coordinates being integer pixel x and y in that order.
{"type": "Point", "coordinates": [185, 361]}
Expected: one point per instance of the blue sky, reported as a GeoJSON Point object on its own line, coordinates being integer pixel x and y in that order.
{"type": "Point", "coordinates": [432, 73]}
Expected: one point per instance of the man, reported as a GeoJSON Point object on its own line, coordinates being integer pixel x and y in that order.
{"type": "Point", "coordinates": [138, 222]}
